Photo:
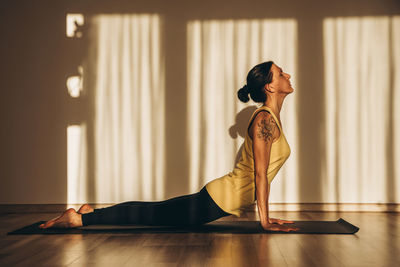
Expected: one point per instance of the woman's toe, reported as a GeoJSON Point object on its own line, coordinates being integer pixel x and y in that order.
{"type": "Point", "coordinates": [47, 224]}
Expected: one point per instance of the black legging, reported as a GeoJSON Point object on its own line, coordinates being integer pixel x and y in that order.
{"type": "Point", "coordinates": [187, 210]}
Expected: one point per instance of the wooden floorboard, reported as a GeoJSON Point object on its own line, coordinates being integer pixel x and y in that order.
{"type": "Point", "coordinates": [376, 244]}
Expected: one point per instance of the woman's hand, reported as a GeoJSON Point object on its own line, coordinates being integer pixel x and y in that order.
{"type": "Point", "coordinates": [278, 227]}
{"type": "Point", "coordinates": [278, 221]}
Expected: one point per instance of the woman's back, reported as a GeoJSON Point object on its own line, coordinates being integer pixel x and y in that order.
{"type": "Point", "coordinates": [236, 190]}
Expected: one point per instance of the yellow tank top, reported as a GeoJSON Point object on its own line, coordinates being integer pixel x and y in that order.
{"type": "Point", "coordinates": [236, 190]}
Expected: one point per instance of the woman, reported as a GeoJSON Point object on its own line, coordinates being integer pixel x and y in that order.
{"type": "Point", "coordinates": [265, 151]}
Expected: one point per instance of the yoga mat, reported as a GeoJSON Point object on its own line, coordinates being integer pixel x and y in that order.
{"type": "Point", "coordinates": [237, 227]}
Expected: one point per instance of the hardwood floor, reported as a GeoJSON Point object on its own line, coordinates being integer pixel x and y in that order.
{"type": "Point", "coordinates": [377, 243]}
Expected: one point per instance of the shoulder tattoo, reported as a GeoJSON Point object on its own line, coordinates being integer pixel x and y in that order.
{"type": "Point", "coordinates": [266, 129]}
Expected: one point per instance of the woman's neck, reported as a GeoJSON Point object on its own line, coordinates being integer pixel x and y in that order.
{"type": "Point", "coordinates": [275, 103]}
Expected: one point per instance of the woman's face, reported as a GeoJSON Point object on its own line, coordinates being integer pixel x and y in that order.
{"type": "Point", "coordinates": [280, 80]}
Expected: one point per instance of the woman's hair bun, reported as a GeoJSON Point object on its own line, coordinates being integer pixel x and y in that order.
{"type": "Point", "coordinates": [243, 94]}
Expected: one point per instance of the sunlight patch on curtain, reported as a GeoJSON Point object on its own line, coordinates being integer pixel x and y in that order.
{"type": "Point", "coordinates": [220, 54]}
{"type": "Point", "coordinates": [129, 108]}
{"type": "Point", "coordinates": [76, 163]}
{"type": "Point", "coordinates": [362, 89]}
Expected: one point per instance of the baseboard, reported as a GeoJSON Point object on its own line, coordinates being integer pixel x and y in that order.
{"type": "Point", "coordinates": [314, 207]}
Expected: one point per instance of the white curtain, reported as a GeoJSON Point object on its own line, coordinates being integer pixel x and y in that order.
{"type": "Point", "coordinates": [77, 174]}
{"type": "Point", "coordinates": [129, 108]}
{"type": "Point", "coordinates": [362, 89]}
{"type": "Point", "coordinates": [362, 105]}
{"type": "Point", "coordinates": [220, 54]}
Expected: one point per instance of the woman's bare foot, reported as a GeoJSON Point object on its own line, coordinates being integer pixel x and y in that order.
{"type": "Point", "coordinates": [86, 208]}
{"type": "Point", "coordinates": [69, 219]}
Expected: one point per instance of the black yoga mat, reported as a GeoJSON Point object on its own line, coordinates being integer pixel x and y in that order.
{"type": "Point", "coordinates": [238, 227]}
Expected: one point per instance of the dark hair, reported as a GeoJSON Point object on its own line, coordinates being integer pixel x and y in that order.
{"type": "Point", "coordinates": [257, 78]}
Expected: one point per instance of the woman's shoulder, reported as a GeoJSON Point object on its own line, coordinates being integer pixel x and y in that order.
{"type": "Point", "coordinates": [264, 121]}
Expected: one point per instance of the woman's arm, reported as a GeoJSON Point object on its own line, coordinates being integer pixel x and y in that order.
{"type": "Point", "coordinates": [263, 133]}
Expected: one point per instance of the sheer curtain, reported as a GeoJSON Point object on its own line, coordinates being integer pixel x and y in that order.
{"type": "Point", "coordinates": [362, 88]}
{"type": "Point", "coordinates": [220, 53]}
{"type": "Point", "coordinates": [129, 108]}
